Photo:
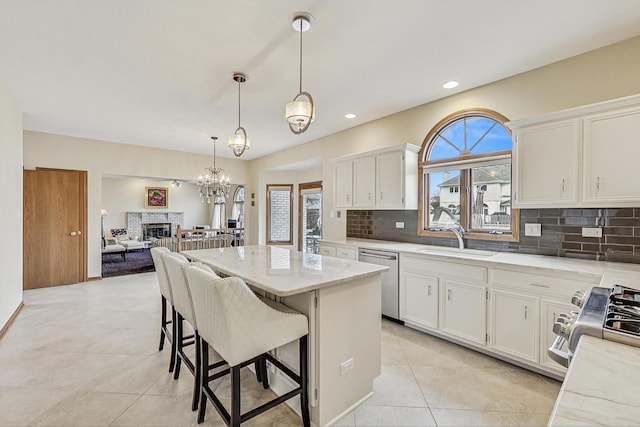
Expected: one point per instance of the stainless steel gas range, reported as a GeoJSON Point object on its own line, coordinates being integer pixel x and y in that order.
{"type": "Point", "coordinates": [608, 313]}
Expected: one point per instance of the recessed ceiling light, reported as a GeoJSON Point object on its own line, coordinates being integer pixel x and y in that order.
{"type": "Point", "coordinates": [450, 85]}
{"type": "Point", "coordinates": [350, 116]}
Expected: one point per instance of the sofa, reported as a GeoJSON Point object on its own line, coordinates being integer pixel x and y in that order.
{"type": "Point", "coordinates": [130, 242]}
{"type": "Point", "coordinates": [111, 246]}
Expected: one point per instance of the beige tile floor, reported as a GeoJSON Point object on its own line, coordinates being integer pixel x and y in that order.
{"type": "Point", "coordinates": [86, 355]}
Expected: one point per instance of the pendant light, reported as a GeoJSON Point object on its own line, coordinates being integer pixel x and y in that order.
{"type": "Point", "coordinates": [300, 112]}
{"type": "Point", "coordinates": [239, 141]}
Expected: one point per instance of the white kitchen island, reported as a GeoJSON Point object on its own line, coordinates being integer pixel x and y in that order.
{"type": "Point", "coordinates": [341, 299]}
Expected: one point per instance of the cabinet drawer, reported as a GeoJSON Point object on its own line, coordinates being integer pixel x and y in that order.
{"type": "Point", "coordinates": [327, 250]}
{"type": "Point", "coordinates": [469, 273]}
{"type": "Point", "coordinates": [345, 253]}
{"type": "Point", "coordinates": [542, 284]}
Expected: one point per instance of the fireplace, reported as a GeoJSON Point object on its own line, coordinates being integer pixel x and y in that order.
{"type": "Point", "coordinates": [156, 230]}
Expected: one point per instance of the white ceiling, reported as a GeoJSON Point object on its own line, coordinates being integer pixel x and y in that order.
{"type": "Point", "coordinates": [158, 72]}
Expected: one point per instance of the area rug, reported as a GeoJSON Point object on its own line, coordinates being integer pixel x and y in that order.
{"type": "Point", "coordinates": [138, 261]}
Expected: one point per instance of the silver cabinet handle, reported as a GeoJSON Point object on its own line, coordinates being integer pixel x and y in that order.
{"type": "Point", "coordinates": [449, 294]}
{"type": "Point", "coordinates": [429, 290]}
{"type": "Point", "coordinates": [347, 197]}
{"type": "Point", "coordinates": [537, 285]}
{"type": "Point", "coordinates": [563, 185]}
{"type": "Point", "coordinates": [381, 197]}
{"type": "Point", "coordinates": [369, 196]}
{"type": "Point", "coordinates": [526, 312]}
{"type": "Point", "coordinates": [597, 183]}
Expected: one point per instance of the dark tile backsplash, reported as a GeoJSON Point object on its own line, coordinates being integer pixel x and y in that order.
{"type": "Point", "coordinates": [561, 232]}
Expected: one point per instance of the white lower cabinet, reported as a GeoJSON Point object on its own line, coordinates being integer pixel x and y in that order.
{"type": "Point", "coordinates": [550, 311]}
{"type": "Point", "coordinates": [515, 324]}
{"type": "Point", "coordinates": [420, 299]}
{"type": "Point", "coordinates": [463, 310]}
{"type": "Point", "coordinates": [508, 312]}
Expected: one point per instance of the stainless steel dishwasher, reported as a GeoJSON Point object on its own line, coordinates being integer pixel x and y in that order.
{"type": "Point", "coordinates": [389, 279]}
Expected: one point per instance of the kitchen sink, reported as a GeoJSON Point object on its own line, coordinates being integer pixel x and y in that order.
{"type": "Point", "coordinates": [447, 251]}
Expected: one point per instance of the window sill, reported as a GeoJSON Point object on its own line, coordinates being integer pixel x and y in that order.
{"type": "Point", "coordinates": [471, 236]}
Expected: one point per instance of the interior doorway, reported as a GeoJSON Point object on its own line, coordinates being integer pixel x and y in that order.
{"type": "Point", "coordinates": [310, 216]}
{"type": "Point", "coordinates": [55, 227]}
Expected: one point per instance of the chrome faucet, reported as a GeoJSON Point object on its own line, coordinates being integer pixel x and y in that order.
{"type": "Point", "coordinates": [459, 232]}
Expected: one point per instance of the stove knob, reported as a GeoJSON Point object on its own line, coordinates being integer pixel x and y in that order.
{"type": "Point", "coordinates": [578, 298]}
{"type": "Point", "coordinates": [562, 329]}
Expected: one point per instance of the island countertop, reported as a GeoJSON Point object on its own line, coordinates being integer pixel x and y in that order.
{"type": "Point", "coordinates": [280, 271]}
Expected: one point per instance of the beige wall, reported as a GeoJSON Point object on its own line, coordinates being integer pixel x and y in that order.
{"type": "Point", "coordinates": [11, 206]}
{"type": "Point", "coordinates": [599, 75]}
{"type": "Point", "coordinates": [606, 73]}
{"type": "Point", "coordinates": [122, 195]}
{"type": "Point", "coordinates": [99, 158]}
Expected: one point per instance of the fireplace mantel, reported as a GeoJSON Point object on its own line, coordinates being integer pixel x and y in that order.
{"type": "Point", "coordinates": [136, 219]}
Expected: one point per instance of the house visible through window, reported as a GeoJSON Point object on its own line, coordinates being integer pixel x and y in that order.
{"type": "Point", "coordinates": [466, 177]}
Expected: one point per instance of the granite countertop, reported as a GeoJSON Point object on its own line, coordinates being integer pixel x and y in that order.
{"type": "Point", "coordinates": [593, 271]}
{"type": "Point", "coordinates": [282, 271]}
{"type": "Point", "coordinates": [601, 387]}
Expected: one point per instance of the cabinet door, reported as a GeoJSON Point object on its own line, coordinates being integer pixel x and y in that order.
{"type": "Point", "coordinates": [419, 303]}
{"type": "Point", "coordinates": [546, 164]}
{"type": "Point", "coordinates": [611, 153]}
{"type": "Point", "coordinates": [550, 311]}
{"type": "Point", "coordinates": [515, 321]}
{"type": "Point", "coordinates": [390, 180]}
{"type": "Point", "coordinates": [463, 310]}
{"type": "Point", "coordinates": [364, 182]}
{"type": "Point", "coordinates": [343, 185]}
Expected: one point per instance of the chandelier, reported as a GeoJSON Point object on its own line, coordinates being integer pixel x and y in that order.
{"type": "Point", "coordinates": [301, 111]}
{"type": "Point", "coordinates": [239, 141]}
{"type": "Point", "coordinates": [214, 185]}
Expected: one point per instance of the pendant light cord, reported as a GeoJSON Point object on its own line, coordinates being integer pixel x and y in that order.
{"type": "Point", "coordinates": [300, 55]}
{"type": "Point", "coordinates": [238, 102]}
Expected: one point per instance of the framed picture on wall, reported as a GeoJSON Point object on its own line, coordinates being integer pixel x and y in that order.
{"type": "Point", "coordinates": [156, 197]}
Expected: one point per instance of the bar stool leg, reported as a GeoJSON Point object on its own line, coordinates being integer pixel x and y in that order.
{"type": "Point", "coordinates": [304, 395]}
{"type": "Point", "coordinates": [204, 368]}
{"type": "Point", "coordinates": [163, 322]}
{"type": "Point", "coordinates": [197, 380]}
{"type": "Point", "coordinates": [174, 322]}
{"type": "Point", "coordinates": [178, 345]}
{"type": "Point", "coordinates": [265, 375]}
{"type": "Point", "coordinates": [235, 396]}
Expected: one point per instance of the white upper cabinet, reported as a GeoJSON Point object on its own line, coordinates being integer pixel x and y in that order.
{"type": "Point", "coordinates": [343, 179]}
{"type": "Point", "coordinates": [611, 153]}
{"type": "Point", "coordinates": [582, 157]}
{"type": "Point", "coordinates": [381, 179]}
{"type": "Point", "coordinates": [364, 182]}
{"type": "Point", "coordinates": [546, 164]}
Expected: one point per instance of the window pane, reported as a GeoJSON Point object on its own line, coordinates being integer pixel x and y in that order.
{"type": "Point", "coordinates": [470, 135]}
{"type": "Point", "coordinates": [279, 214]}
{"type": "Point", "coordinates": [491, 193]}
{"type": "Point", "coordinates": [444, 198]}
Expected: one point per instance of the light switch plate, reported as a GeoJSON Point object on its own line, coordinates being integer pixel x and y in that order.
{"type": "Point", "coordinates": [591, 232]}
{"type": "Point", "coordinates": [533, 229]}
{"type": "Point", "coordinates": [399, 224]}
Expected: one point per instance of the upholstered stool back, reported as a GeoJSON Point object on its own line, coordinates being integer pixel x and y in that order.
{"type": "Point", "coordinates": [161, 272]}
{"type": "Point", "coordinates": [235, 322]}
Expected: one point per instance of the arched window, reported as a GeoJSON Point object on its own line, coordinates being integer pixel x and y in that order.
{"type": "Point", "coordinates": [465, 164]}
{"type": "Point", "coordinates": [238, 203]}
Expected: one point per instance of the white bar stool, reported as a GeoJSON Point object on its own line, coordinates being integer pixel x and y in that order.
{"type": "Point", "coordinates": [166, 295]}
{"type": "Point", "coordinates": [242, 329]}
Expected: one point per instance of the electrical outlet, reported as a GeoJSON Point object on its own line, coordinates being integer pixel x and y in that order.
{"type": "Point", "coordinates": [346, 366]}
{"type": "Point", "coordinates": [399, 224]}
{"type": "Point", "coordinates": [532, 229]}
{"type": "Point", "coordinates": [591, 232]}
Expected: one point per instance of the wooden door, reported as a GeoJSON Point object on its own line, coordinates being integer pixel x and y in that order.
{"type": "Point", "coordinates": [55, 218]}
